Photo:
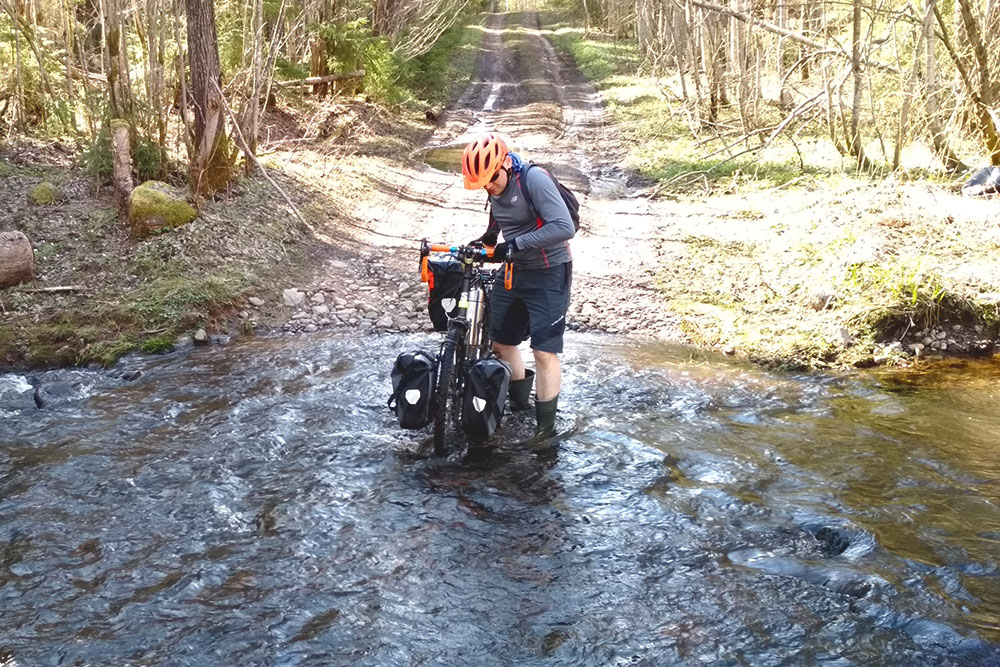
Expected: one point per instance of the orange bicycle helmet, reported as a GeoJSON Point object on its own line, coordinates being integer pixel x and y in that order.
{"type": "Point", "coordinates": [482, 158]}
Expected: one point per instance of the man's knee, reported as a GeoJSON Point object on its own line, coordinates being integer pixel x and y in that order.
{"type": "Point", "coordinates": [502, 349]}
{"type": "Point", "coordinates": [545, 359]}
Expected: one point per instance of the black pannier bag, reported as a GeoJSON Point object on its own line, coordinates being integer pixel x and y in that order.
{"type": "Point", "coordinates": [486, 387]}
{"type": "Point", "coordinates": [413, 389]}
{"type": "Point", "coordinates": [445, 286]}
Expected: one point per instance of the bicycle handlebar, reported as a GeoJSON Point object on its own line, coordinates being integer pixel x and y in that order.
{"type": "Point", "coordinates": [466, 252]}
{"type": "Point", "coordinates": [427, 248]}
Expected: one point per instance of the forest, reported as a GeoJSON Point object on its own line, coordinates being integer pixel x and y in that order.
{"type": "Point", "coordinates": [190, 79]}
{"type": "Point", "coordinates": [146, 99]}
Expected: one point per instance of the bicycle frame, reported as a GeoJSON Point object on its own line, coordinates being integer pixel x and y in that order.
{"type": "Point", "coordinates": [467, 338]}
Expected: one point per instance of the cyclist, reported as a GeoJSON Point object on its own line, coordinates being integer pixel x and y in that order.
{"type": "Point", "coordinates": [538, 248]}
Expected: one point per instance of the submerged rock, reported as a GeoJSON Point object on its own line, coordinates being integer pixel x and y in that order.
{"type": "Point", "coordinates": [49, 393]}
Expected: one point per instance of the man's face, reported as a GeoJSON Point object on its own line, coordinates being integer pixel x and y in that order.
{"type": "Point", "coordinates": [499, 182]}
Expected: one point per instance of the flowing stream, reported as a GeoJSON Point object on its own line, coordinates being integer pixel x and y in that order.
{"type": "Point", "coordinates": [255, 504]}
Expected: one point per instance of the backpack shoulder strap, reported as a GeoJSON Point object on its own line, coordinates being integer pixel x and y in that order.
{"type": "Point", "coordinates": [523, 186]}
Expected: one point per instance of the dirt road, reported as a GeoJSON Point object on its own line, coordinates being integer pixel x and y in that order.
{"type": "Point", "coordinates": [776, 276]}
{"type": "Point", "coordinates": [550, 115]}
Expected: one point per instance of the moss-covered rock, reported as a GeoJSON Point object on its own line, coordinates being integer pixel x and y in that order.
{"type": "Point", "coordinates": [45, 193]}
{"type": "Point", "coordinates": [155, 206]}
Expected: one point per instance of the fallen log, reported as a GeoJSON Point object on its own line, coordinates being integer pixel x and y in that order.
{"type": "Point", "coordinates": [313, 80]}
{"type": "Point", "coordinates": [434, 114]}
{"type": "Point", "coordinates": [17, 259]}
{"type": "Point", "coordinates": [59, 289]}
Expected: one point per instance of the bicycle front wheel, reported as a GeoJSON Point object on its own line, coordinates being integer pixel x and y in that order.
{"type": "Point", "coordinates": [442, 394]}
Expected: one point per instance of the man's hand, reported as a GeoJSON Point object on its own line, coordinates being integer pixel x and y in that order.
{"type": "Point", "coordinates": [485, 239]}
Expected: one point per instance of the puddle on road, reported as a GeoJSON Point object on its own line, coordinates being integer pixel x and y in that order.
{"type": "Point", "coordinates": [445, 159]}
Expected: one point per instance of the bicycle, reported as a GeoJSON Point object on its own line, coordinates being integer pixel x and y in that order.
{"type": "Point", "coordinates": [467, 338]}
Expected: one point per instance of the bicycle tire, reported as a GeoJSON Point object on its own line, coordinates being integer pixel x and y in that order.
{"type": "Point", "coordinates": [442, 395]}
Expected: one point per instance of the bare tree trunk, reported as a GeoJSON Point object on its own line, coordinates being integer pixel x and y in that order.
{"type": "Point", "coordinates": [642, 29]}
{"type": "Point", "coordinates": [68, 54]}
{"type": "Point", "coordinates": [939, 139]}
{"type": "Point", "coordinates": [19, 116]}
{"type": "Point", "coordinates": [697, 64]}
{"type": "Point", "coordinates": [318, 57]}
{"type": "Point", "coordinates": [983, 96]}
{"type": "Point", "coordinates": [682, 33]}
{"type": "Point", "coordinates": [258, 54]}
{"type": "Point", "coordinates": [855, 144]}
{"type": "Point", "coordinates": [27, 32]}
{"type": "Point", "coordinates": [156, 83]}
{"type": "Point", "coordinates": [45, 88]}
{"type": "Point", "coordinates": [212, 167]}
{"type": "Point", "coordinates": [122, 166]}
{"type": "Point", "coordinates": [182, 78]}
{"type": "Point", "coordinates": [87, 95]}
{"type": "Point", "coordinates": [904, 112]}
{"type": "Point", "coordinates": [119, 88]}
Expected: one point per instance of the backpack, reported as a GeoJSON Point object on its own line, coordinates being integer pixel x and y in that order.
{"type": "Point", "coordinates": [412, 397]}
{"type": "Point", "coordinates": [567, 195]}
{"type": "Point", "coordinates": [486, 384]}
{"type": "Point", "coordinates": [572, 204]}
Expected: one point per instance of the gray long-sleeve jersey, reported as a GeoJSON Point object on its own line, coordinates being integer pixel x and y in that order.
{"type": "Point", "coordinates": [541, 242]}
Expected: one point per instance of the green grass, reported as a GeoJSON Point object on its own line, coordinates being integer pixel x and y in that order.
{"type": "Point", "coordinates": [149, 319]}
{"type": "Point", "coordinates": [666, 144]}
{"type": "Point", "coordinates": [899, 294]}
{"type": "Point", "coordinates": [179, 301]}
{"type": "Point", "coordinates": [598, 59]}
{"type": "Point", "coordinates": [439, 75]}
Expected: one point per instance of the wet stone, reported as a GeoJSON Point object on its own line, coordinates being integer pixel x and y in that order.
{"type": "Point", "coordinates": [52, 392]}
{"type": "Point", "coordinates": [293, 297]}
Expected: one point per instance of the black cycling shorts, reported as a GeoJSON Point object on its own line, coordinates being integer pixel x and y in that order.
{"type": "Point", "coordinates": [535, 306]}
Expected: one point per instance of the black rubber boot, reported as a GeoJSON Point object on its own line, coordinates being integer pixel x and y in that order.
{"type": "Point", "coordinates": [545, 426]}
{"type": "Point", "coordinates": [519, 392]}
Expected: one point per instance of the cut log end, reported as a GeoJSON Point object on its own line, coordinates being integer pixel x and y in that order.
{"type": "Point", "coordinates": [17, 259]}
{"type": "Point", "coordinates": [434, 114]}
